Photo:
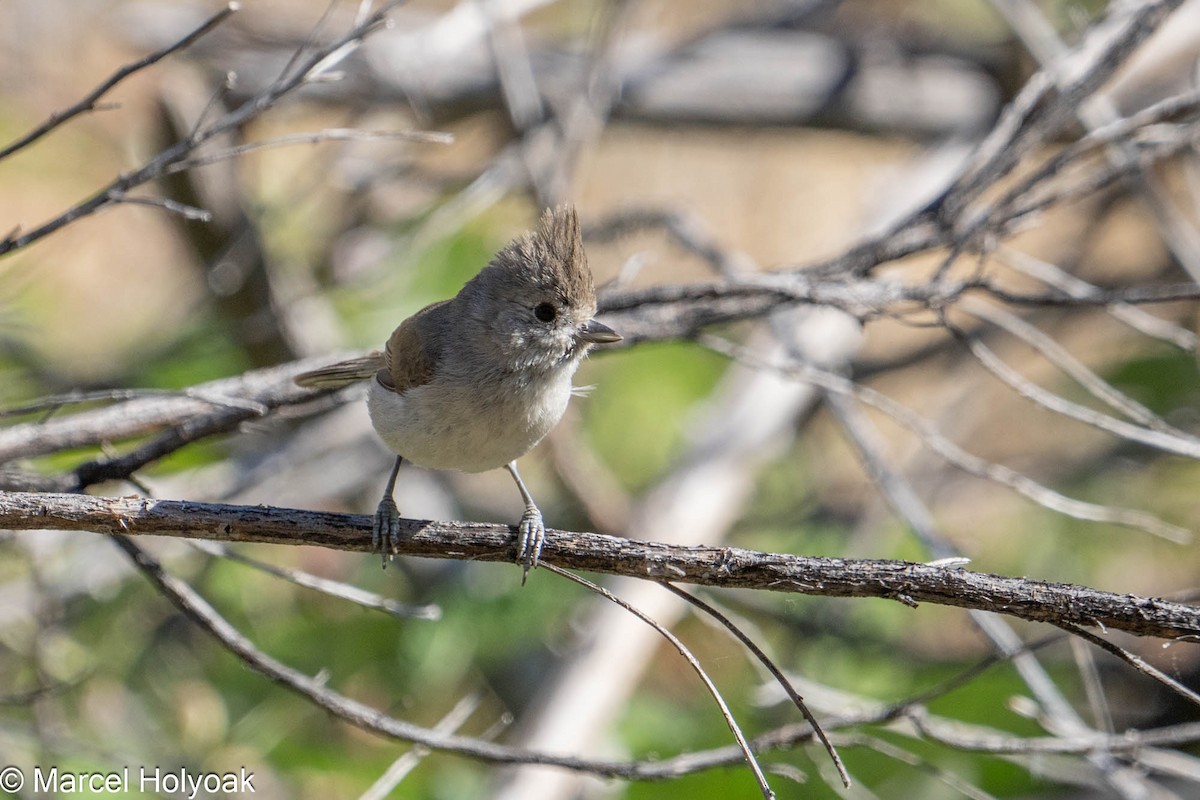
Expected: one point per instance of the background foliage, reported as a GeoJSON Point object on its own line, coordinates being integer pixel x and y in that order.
{"type": "Point", "coordinates": [336, 243]}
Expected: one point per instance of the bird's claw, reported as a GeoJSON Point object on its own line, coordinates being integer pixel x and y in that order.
{"type": "Point", "coordinates": [531, 536]}
{"type": "Point", "coordinates": [385, 529]}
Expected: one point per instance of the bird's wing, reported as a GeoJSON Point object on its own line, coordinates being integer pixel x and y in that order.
{"type": "Point", "coordinates": [343, 373]}
{"type": "Point", "coordinates": [414, 349]}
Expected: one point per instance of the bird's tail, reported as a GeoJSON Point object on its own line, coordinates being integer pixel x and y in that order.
{"type": "Point", "coordinates": [343, 373]}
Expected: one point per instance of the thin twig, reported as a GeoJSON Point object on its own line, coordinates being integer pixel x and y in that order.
{"type": "Point", "coordinates": [197, 609]}
{"type": "Point", "coordinates": [905, 756]}
{"type": "Point", "coordinates": [1093, 684]}
{"type": "Point", "coordinates": [338, 589]}
{"type": "Point", "coordinates": [399, 769]}
{"type": "Point", "coordinates": [867, 712]}
{"type": "Point", "coordinates": [1030, 118]}
{"type": "Point", "coordinates": [686, 230]}
{"type": "Point", "coordinates": [751, 761]}
{"type": "Point", "coordinates": [903, 499]}
{"type": "Point", "coordinates": [315, 137]}
{"type": "Point", "coordinates": [1135, 318]}
{"type": "Point", "coordinates": [1132, 295]}
{"type": "Point", "coordinates": [1130, 742]}
{"type": "Point", "coordinates": [1097, 111]}
{"type": "Point", "coordinates": [1060, 357]}
{"type": "Point", "coordinates": [174, 206]}
{"type": "Point", "coordinates": [1169, 441]}
{"type": "Point", "coordinates": [246, 396]}
{"type": "Point", "coordinates": [311, 37]}
{"type": "Point", "coordinates": [956, 455]}
{"type": "Point", "coordinates": [54, 402]}
{"type": "Point", "coordinates": [777, 673]}
{"type": "Point", "coordinates": [89, 101]}
{"type": "Point", "coordinates": [154, 168]}
{"type": "Point", "coordinates": [1136, 662]}
{"type": "Point", "coordinates": [222, 91]}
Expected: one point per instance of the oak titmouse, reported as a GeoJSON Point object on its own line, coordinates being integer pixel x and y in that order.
{"type": "Point", "coordinates": [473, 382]}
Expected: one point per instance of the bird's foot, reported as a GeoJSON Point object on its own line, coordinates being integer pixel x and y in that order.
{"type": "Point", "coordinates": [531, 536]}
{"type": "Point", "coordinates": [385, 529]}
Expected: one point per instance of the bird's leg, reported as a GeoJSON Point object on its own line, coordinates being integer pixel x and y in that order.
{"type": "Point", "coordinates": [385, 528]}
{"type": "Point", "coordinates": [532, 530]}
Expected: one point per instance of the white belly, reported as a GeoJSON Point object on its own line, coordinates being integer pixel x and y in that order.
{"type": "Point", "coordinates": [465, 428]}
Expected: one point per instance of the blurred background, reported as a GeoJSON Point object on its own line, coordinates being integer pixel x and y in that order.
{"type": "Point", "coordinates": [699, 141]}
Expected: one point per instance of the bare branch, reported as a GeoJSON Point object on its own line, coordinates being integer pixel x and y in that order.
{"type": "Point", "coordinates": [775, 671]}
{"type": "Point", "coordinates": [902, 497]}
{"type": "Point", "coordinates": [174, 206]}
{"type": "Point", "coordinates": [405, 764]}
{"type": "Point", "coordinates": [332, 588]}
{"type": "Point", "coordinates": [1061, 358]}
{"type": "Point", "coordinates": [679, 311]}
{"type": "Point", "coordinates": [906, 582]}
{"type": "Point", "coordinates": [1029, 119]}
{"type": "Point", "coordinates": [1097, 111]}
{"type": "Point", "coordinates": [89, 101]}
{"type": "Point", "coordinates": [1135, 318]}
{"type": "Point", "coordinates": [686, 230]}
{"type": "Point", "coordinates": [234, 400]}
{"type": "Point", "coordinates": [156, 166]}
{"type": "Point", "coordinates": [1137, 663]}
{"type": "Point", "coordinates": [1131, 295]}
{"type": "Point", "coordinates": [1169, 441]}
{"type": "Point", "coordinates": [906, 756]}
{"type": "Point", "coordinates": [52, 403]}
{"type": "Point", "coordinates": [958, 456]}
{"type": "Point", "coordinates": [693, 662]}
{"type": "Point", "coordinates": [197, 609]}
{"type": "Point", "coordinates": [316, 137]}
{"type": "Point", "coordinates": [963, 737]}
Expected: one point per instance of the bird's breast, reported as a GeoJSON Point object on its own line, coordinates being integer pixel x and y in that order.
{"type": "Point", "coordinates": [469, 425]}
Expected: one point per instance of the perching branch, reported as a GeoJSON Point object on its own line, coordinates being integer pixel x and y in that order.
{"type": "Point", "coordinates": [725, 567]}
{"type": "Point", "coordinates": [196, 608]}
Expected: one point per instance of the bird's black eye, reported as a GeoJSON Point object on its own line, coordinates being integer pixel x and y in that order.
{"type": "Point", "coordinates": [545, 312]}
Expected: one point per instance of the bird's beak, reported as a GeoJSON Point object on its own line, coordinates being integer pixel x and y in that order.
{"type": "Point", "coordinates": [595, 332]}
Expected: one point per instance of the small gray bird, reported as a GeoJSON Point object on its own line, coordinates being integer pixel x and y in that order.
{"type": "Point", "coordinates": [474, 382]}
